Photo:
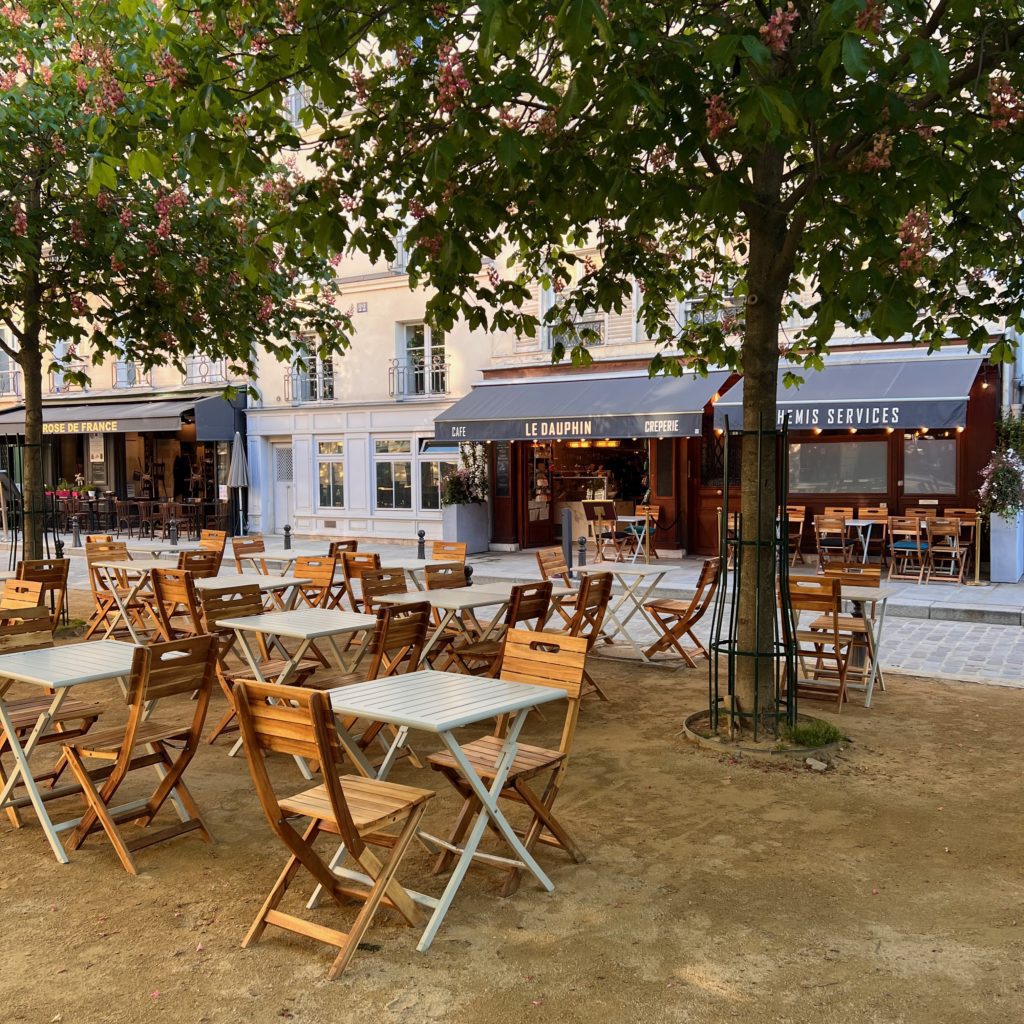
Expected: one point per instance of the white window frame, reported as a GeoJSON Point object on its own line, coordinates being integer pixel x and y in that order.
{"type": "Point", "coordinates": [585, 318]}
{"type": "Point", "coordinates": [403, 360]}
{"type": "Point", "coordinates": [336, 459]}
{"type": "Point", "coordinates": [439, 458]}
{"type": "Point", "coordinates": [391, 458]}
{"type": "Point", "coordinates": [316, 368]}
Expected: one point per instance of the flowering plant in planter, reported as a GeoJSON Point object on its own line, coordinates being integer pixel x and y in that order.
{"type": "Point", "coordinates": [1002, 485]}
{"type": "Point", "coordinates": [467, 485]}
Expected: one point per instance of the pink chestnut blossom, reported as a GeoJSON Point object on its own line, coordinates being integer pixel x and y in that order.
{"type": "Point", "coordinates": [78, 305]}
{"type": "Point", "coordinates": [870, 19]}
{"type": "Point", "coordinates": [915, 234]}
{"type": "Point", "coordinates": [451, 79]}
{"type": "Point", "coordinates": [266, 308]}
{"type": "Point", "coordinates": [776, 31]}
{"type": "Point", "coordinates": [1004, 103]}
{"type": "Point", "coordinates": [719, 119]}
{"type": "Point", "coordinates": [19, 222]}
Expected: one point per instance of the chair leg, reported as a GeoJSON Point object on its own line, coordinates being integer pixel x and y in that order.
{"type": "Point", "coordinates": [463, 822]}
{"type": "Point", "coordinates": [595, 687]}
{"type": "Point", "coordinates": [97, 811]}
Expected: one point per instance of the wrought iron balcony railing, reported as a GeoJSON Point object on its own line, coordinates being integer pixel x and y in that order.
{"type": "Point", "coordinates": [414, 377]}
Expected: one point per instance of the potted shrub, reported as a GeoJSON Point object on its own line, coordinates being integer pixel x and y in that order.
{"type": "Point", "coordinates": [1001, 497]}
{"type": "Point", "coordinates": [63, 488]}
{"type": "Point", "coordinates": [465, 515]}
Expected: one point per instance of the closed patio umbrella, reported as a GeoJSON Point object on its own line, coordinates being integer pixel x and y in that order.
{"type": "Point", "coordinates": [238, 475]}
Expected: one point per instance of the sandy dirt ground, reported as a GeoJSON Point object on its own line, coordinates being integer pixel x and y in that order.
{"type": "Point", "coordinates": [890, 889]}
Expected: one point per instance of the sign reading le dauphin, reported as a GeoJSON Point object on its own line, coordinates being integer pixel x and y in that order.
{"type": "Point", "coordinates": [81, 427]}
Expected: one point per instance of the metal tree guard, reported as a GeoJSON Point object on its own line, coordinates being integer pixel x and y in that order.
{"type": "Point", "coordinates": [747, 554]}
{"type": "Point", "coordinates": [12, 496]}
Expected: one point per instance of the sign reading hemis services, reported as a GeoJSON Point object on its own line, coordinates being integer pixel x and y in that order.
{"type": "Point", "coordinates": [82, 427]}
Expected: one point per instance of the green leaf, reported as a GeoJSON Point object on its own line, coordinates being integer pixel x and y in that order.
{"type": "Point", "coordinates": [579, 93]}
{"type": "Point", "coordinates": [721, 52]}
{"type": "Point", "coordinates": [759, 53]}
{"type": "Point", "coordinates": [829, 61]}
{"type": "Point", "coordinates": [855, 57]}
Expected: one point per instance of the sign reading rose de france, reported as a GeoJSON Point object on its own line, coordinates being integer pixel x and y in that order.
{"type": "Point", "coordinates": [81, 427]}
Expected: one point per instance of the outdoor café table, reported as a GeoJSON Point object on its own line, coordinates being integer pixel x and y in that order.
{"type": "Point", "coordinates": [157, 548]}
{"type": "Point", "coordinates": [440, 703]}
{"type": "Point", "coordinates": [877, 596]}
{"type": "Point", "coordinates": [58, 669]}
{"type": "Point", "coordinates": [559, 592]}
{"type": "Point", "coordinates": [863, 528]}
{"type": "Point", "coordinates": [288, 585]}
{"type": "Point", "coordinates": [139, 569]}
{"type": "Point", "coordinates": [455, 606]}
{"type": "Point", "coordinates": [285, 557]}
{"type": "Point", "coordinates": [638, 582]}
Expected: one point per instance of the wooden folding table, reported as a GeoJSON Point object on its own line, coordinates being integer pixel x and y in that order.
{"type": "Point", "coordinates": [638, 582]}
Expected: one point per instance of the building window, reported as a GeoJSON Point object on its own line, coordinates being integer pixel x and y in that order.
{"type": "Point", "coordinates": [841, 467]}
{"type": "Point", "coordinates": [312, 376]}
{"type": "Point", "coordinates": [330, 466]}
{"type": "Point", "coordinates": [929, 465]}
{"type": "Point", "coordinates": [421, 367]}
{"type": "Point", "coordinates": [295, 102]}
{"type": "Point", "coordinates": [437, 460]}
{"type": "Point", "coordinates": [393, 473]}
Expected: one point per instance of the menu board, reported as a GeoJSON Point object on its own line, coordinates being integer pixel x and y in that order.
{"type": "Point", "coordinates": [502, 469]}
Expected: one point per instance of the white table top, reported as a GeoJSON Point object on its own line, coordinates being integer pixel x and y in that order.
{"type": "Point", "coordinates": [69, 665]}
{"type": "Point", "coordinates": [453, 599]}
{"type": "Point", "coordinates": [250, 579]}
{"type": "Point", "coordinates": [280, 555]}
{"type": "Point", "coordinates": [303, 623]}
{"type": "Point", "coordinates": [867, 593]}
{"type": "Point", "coordinates": [623, 568]}
{"type": "Point", "coordinates": [865, 522]}
{"type": "Point", "coordinates": [504, 587]}
{"type": "Point", "coordinates": [438, 701]}
{"type": "Point", "coordinates": [164, 547]}
{"type": "Point", "coordinates": [134, 564]}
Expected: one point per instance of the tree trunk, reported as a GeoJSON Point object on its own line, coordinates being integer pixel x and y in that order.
{"type": "Point", "coordinates": [33, 494]}
{"type": "Point", "coordinates": [766, 280]}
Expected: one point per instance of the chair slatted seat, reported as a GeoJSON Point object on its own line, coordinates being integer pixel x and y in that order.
{"type": "Point", "coordinates": [540, 659]}
{"type": "Point", "coordinates": [297, 721]}
{"type": "Point", "coordinates": [908, 549]}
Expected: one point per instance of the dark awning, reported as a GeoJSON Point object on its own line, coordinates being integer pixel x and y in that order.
{"type": "Point", "coordinates": [578, 407]}
{"type": "Point", "coordinates": [156, 415]}
{"type": "Point", "coordinates": [218, 419]}
{"type": "Point", "coordinates": [907, 390]}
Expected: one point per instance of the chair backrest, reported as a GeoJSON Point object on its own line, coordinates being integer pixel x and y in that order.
{"type": "Point", "coordinates": [170, 673]}
{"type": "Point", "coordinates": [818, 594]}
{"type": "Point", "coordinates": [21, 594]}
{"type": "Point", "coordinates": [839, 511]}
{"type": "Point", "coordinates": [103, 551]}
{"type": "Point", "coordinates": [246, 547]}
{"type": "Point", "coordinates": [25, 629]}
{"type": "Point", "coordinates": [796, 514]}
{"type": "Point", "coordinates": [854, 574]}
{"type": "Point", "coordinates": [946, 530]}
{"type": "Point", "coordinates": [320, 570]}
{"type": "Point", "coordinates": [922, 513]}
{"type": "Point", "coordinates": [967, 516]}
{"type": "Point", "coordinates": [551, 562]}
{"type": "Point", "coordinates": [591, 604]}
{"type": "Point", "coordinates": [707, 586]}
{"type": "Point", "coordinates": [398, 638]}
{"type": "Point", "coordinates": [338, 547]}
{"type": "Point", "coordinates": [529, 602]}
{"type": "Point", "coordinates": [905, 527]}
{"type": "Point", "coordinates": [173, 592]}
{"type": "Point", "coordinates": [448, 551]}
{"type": "Point", "coordinates": [52, 573]}
{"type": "Point", "coordinates": [229, 603]}
{"type": "Point", "coordinates": [98, 538]}
{"type": "Point", "coordinates": [353, 565]}
{"type": "Point", "coordinates": [202, 564]}
{"type": "Point", "coordinates": [828, 526]}
{"type": "Point", "coordinates": [292, 720]}
{"type": "Point", "coordinates": [213, 540]}
{"type": "Point", "coordinates": [554, 660]}
{"type": "Point", "coordinates": [877, 512]}
{"type": "Point", "coordinates": [379, 583]}
{"type": "Point", "coordinates": [650, 512]}
{"type": "Point", "coordinates": [445, 577]}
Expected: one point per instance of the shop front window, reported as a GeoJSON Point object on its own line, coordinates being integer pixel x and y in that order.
{"type": "Point", "coordinates": [433, 469]}
{"type": "Point", "coordinates": [929, 465]}
{"type": "Point", "coordinates": [842, 467]}
{"type": "Point", "coordinates": [393, 474]}
{"type": "Point", "coordinates": [330, 464]}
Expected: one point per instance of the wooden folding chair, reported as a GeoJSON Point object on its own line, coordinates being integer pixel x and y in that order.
{"type": "Point", "coordinates": [445, 576]}
{"type": "Point", "coordinates": [644, 534]}
{"type": "Point", "coordinates": [602, 519]}
{"type": "Point", "coordinates": [175, 606]}
{"type": "Point", "coordinates": [945, 555]}
{"type": "Point", "coordinates": [908, 552]}
{"type": "Point", "coordinates": [968, 526]}
{"type": "Point", "coordinates": [858, 624]}
{"type": "Point", "coordinates": [213, 540]}
{"type": "Point", "coordinates": [529, 602]}
{"type": "Point", "coordinates": [540, 659]}
{"type": "Point", "coordinates": [879, 542]}
{"type": "Point", "coordinates": [448, 551]}
{"type": "Point", "coordinates": [21, 594]}
{"type": "Point", "coordinates": [104, 603]}
{"type": "Point", "coordinates": [339, 547]}
{"type": "Point", "coordinates": [551, 562]}
{"type": "Point", "coordinates": [588, 621]}
{"type": "Point", "coordinates": [52, 573]}
{"type": "Point", "coordinates": [380, 583]}
{"type": "Point", "coordinates": [796, 518]}
{"type": "Point", "coordinates": [361, 811]}
{"type": "Point", "coordinates": [676, 619]}
{"type": "Point", "coordinates": [320, 571]}
{"type": "Point", "coordinates": [353, 565]}
{"type": "Point", "coordinates": [30, 629]}
{"type": "Point", "coordinates": [203, 564]}
{"type": "Point", "coordinates": [169, 673]}
{"type": "Point", "coordinates": [248, 549]}
{"type": "Point", "coordinates": [236, 602]}
{"type": "Point", "coordinates": [831, 539]}
{"type": "Point", "coordinates": [826, 648]}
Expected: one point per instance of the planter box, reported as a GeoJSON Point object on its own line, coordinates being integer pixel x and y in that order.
{"type": "Point", "coordinates": [470, 524]}
{"type": "Point", "coordinates": [1006, 549]}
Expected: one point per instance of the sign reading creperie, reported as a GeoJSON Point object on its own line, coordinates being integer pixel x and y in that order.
{"type": "Point", "coordinates": [81, 427]}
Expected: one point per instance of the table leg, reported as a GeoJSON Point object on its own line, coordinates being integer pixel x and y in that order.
{"type": "Point", "coordinates": [489, 811]}
{"type": "Point", "coordinates": [414, 575]}
{"type": "Point", "coordinates": [23, 770]}
{"type": "Point", "coordinates": [876, 639]}
{"type": "Point", "coordinates": [434, 637]}
{"type": "Point", "coordinates": [121, 603]}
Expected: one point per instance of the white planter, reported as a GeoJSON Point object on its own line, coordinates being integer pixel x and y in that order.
{"type": "Point", "coordinates": [470, 524]}
{"type": "Point", "coordinates": [1006, 547]}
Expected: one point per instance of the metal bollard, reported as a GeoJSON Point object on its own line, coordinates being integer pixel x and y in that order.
{"type": "Point", "coordinates": [581, 556]}
{"type": "Point", "coordinates": [469, 575]}
{"type": "Point", "coordinates": [76, 532]}
{"type": "Point", "coordinates": [421, 544]}
{"type": "Point", "coordinates": [172, 531]}
{"type": "Point", "coordinates": [58, 549]}
{"type": "Point", "coordinates": [287, 531]}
